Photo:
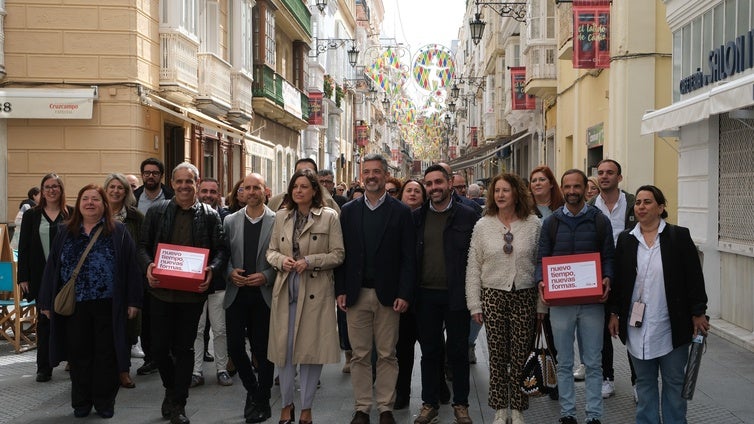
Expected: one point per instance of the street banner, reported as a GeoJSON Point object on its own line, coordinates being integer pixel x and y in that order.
{"type": "Point", "coordinates": [362, 135]}
{"type": "Point", "coordinates": [591, 34]}
{"type": "Point", "coordinates": [520, 101]}
{"type": "Point", "coordinates": [315, 108]}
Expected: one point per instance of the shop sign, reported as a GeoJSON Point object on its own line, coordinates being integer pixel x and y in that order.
{"type": "Point", "coordinates": [724, 61]}
{"type": "Point", "coordinates": [595, 136]}
{"type": "Point", "coordinates": [521, 101]}
{"type": "Point", "coordinates": [591, 34]}
{"type": "Point", "coordinates": [315, 108]}
{"type": "Point", "coordinates": [47, 103]}
{"type": "Point", "coordinates": [292, 99]}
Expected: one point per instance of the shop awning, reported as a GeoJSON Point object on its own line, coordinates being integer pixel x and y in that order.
{"type": "Point", "coordinates": [484, 153]}
{"type": "Point", "coordinates": [725, 97]}
{"type": "Point", "coordinates": [193, 116]}
{"type": "Point", "coordinates": [47, 103]}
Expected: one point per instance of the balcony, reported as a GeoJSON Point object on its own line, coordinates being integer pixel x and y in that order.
{"type": "Point", "coordinates": [541, 71]}
{"type": "Point", "coordinates": [564, 21]}
{"type": "Point", "coordinates": [213, 97]}
{"type": "Point", "coordinates": [300, 13]}
{"type": "Point", "coordinates": [270, 91]}
{"type": "Point", "coordinates": [240, 112]}
{"type": "Point", "coordinates": [178, 66]}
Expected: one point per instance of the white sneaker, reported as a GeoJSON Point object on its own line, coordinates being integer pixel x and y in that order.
{"type": "Point", "coordinates": [579, 373]}
{"type": "Point", "coordinates": [517, 416]}
{"type": "Point", "coordinates": [636, 395]}
{"type": "Point", "coordinates": [501, 415]}
{"type": "Point", "coordinates": [608, 388]}
{"type": "Point", "coordinates": [136, 351]}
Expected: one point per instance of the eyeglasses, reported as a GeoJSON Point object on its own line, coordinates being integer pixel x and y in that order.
{"type": "Point", "coordinates": [508, 248]}
{"type": "Point", "coordinates": [326, 182]}
{"type": "Point", "coordinates": [392, 190]}
{"type": "Point", "coordinates": [460, 187]}
{"type": "Point", "coordinates": [152, 173]}
{"type": "Point", "coordinates": [51, 187]}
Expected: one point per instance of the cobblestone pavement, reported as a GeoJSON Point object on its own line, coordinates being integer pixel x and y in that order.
{"type": "Point", "coordinates": [725, 394]}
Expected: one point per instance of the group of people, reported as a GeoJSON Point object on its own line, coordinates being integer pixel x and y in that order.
{"type": "Point", "coordinates": [408, 261]}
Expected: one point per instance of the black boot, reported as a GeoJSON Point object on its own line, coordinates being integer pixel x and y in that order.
{"type": "Point", "coordinates": [178, 415]}
{"type": "Point", "coordinates": [167, 405]}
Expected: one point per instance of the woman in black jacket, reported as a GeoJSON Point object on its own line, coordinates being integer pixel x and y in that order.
{"type": "Point", "coordinates": [657, 305]}
{"type": "Point", "coordinates": [38, 228]}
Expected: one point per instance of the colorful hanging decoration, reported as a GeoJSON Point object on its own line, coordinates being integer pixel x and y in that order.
{"type": "Point", "coordinates": [434, 67]}
{"type": "Point", "coordinates": [388, 72]}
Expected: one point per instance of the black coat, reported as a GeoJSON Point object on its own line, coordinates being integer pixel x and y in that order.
{"type": "Point", "coordinates": [31, 257]}
{"type": "Point", "coordinates": [456, 242]}
{"type": "Point", "coordinates": [395, 258]}
{"type": "Point", "coordinates": [684, 281]}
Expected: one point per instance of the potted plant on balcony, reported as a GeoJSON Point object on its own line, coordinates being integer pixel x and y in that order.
{"type": "Point", "coordinates": [328, 87]}
{"type": "Point", "coordinates": [338, 95]}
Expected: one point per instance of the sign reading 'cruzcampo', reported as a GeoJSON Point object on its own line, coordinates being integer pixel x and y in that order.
{"type": "Point", "coordinates": [723, 62]}
{"type": "Point", "coordinates": [47, 103]}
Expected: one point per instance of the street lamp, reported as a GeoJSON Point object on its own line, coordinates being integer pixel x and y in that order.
{"type": "Point", "coordinates": [321, 5]}
{"type": "Point", "coordinates": [451, 107]}
{"type": "Point", "coordinates": [447, 120]}
{"type": "Point", "coordinates": [353, 56]}
{"type": "Point", "coordinates": [454, 91]}
{"type": "Point", "coordinates": [385, 103]}
{"type": "Point", "coordinates": [476, 26]}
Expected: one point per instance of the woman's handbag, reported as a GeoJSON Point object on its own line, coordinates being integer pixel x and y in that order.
{"type": "Point", "coordinates": [540, 370]}
{"type": "Point", "coordinates": [65, 300]}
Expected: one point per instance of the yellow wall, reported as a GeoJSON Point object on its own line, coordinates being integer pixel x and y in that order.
{"type": "Point", "coordinates": [112, 44]}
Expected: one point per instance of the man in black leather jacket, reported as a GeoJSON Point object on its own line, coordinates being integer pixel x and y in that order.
{"type": "Point", "coordinates": [175, 314]}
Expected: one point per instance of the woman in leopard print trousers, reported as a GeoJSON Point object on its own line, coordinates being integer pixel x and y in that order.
{"type": "Point", "coordinates": [500, 290]}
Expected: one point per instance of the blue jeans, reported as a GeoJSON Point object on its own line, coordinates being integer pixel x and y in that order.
{"type": "Point", "coordinates": [588, 321]}
{"type": "Point", "coordinates": [672, 369]}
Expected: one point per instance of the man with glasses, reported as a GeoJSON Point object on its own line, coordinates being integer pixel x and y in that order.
{"type": "Point", "coordinates": [443, 231]}
{"type": "Point", "coordinates": [574, 229]}
{"type": "Point", "coordinates": [327, 181]}
{"type": "Point", "coordinates": [152, 191]}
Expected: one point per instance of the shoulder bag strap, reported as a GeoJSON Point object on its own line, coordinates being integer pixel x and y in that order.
{"type": "Point", "coordinates": [83, 256]}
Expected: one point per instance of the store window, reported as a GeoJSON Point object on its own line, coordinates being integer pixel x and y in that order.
{"type": "Point", "coordinates": [269, 46]}
{"type": "Point", "coordinates": [182, 15]}
{"type": "Point", "coordinates": [736, 184]}
{"type": "Point", "coordinates": [209, 158]}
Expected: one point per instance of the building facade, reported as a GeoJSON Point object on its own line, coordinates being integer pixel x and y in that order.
{"type": "Point", "coordinates": [711, 116]}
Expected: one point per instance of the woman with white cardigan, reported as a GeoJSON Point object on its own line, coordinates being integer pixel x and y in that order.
{"type": "Point", "coordinates": [500, 290]}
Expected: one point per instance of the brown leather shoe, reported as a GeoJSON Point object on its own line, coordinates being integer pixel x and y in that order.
{"type": "Point", "coordinates": [387, 417]}
{"type": "Point", "coordinates": [125, 380]}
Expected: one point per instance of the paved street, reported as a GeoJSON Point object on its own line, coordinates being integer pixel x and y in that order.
{"type": "Point", "coordinates": [724, 394]}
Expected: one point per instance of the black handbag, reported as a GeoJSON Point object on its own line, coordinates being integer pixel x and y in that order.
{"type": "Point", "coordinates": [540, 373]}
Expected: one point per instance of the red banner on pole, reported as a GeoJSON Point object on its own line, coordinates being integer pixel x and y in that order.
{"type": "Point", "coordinates": [591, 34]}
{"type": "Point", "coordinates": [453, 152]}
{"type": "Point", "coordinates": [362, 135]}
{"type": "Point", "coordinates": [521, 101]}
{"type": "Point", "coordinates": [473, 137]}
{"type": "Point", "coordinates": [315, 108]}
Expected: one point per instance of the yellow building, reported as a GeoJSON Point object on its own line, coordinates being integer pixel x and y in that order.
{"type": "Point", "coordinates": [598, 111]}
{"type": "Point", "coordinates": [166, 79]}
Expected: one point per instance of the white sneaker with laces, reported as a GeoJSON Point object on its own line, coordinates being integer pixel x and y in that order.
{"type": "Point", "coordinates": [136, 351]}
{"type": "Point", "coordinates": [579, 373]}
{"type": "Point", "coordinates": [608, 388]}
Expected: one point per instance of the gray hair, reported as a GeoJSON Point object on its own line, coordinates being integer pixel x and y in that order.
{"type": "Point", "coordinates": [188, 166]}
{"type": "Point", "coordinates": [376, 156]}
{"type": "Point", "coordinates": [130, 199]}
{"type": "Point", "coordinates": [474, 190]}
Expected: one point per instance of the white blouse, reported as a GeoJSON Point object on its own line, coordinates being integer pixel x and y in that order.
{"type": "Point", "coordinates": [654, 338]}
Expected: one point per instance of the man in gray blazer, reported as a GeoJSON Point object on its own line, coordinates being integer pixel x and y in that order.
{"type": "Point", "coordinates": [248, 295]}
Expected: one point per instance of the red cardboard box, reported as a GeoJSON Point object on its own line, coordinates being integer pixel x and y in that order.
{"type": "Point", "coordinates": [572, 279]}
{"type": "Point", "coordinates": [180, 267]}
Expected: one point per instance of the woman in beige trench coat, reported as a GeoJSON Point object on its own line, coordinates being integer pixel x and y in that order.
{"type": "Point", "coordinates": [305, 246]}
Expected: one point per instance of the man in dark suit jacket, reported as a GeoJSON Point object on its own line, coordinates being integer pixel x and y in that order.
{"type": "Point", "coordinates": [248, 295]}
{"type": "Point", "coordinates": [375, 285]}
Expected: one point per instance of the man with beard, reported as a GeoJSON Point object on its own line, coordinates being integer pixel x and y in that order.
{"type": "Point", "coordinates": [213, 314]}
{"type": "Point", "coordinates": [175, 314]}
{"type": "Point", "coordinates": [278, 201]}
{"type": "Point", "coordinates": [443, 232]}
{"type": "Point", "coordinates": [249, 295]}
{"type": "Point", "coordinates": [374, 286]}
{"type": "Point", "coordinates": [152, 191]}
{"type": "Point", "coordinates": [578, 228]}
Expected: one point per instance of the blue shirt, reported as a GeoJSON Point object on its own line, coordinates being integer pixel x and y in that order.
{"type": "Point", "coordinates": [97, 273]}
